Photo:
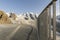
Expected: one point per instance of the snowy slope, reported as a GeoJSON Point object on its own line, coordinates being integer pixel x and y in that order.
{"type": "Point", "coordinates": [28, 18]}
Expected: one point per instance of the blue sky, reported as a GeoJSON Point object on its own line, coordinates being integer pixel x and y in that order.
{"type": "Point", "coordinates": [57, 7]}
{"type": "Point", "coordinates": [19, 6]}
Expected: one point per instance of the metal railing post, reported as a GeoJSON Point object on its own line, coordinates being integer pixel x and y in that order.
{"type": "Point", "coordinates": [49, 22]}
{"type": "Point", "coordinates": [54, 19]}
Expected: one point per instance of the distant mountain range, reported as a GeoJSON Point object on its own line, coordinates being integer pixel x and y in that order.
{"type": "Point", "coordinates": [27, 18]}
{"type": "Point", "coordinates": [27, 15]}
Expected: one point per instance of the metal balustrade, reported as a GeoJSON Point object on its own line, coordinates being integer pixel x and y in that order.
{"type": "Point", "coordinates": [44, 22]}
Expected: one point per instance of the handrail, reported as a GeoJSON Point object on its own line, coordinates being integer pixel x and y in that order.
{"type": "Point", "coordinates": [47, 6]}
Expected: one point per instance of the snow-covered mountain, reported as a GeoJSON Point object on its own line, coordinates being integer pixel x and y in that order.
{"type": "Point", "coordinates": [28, 18]}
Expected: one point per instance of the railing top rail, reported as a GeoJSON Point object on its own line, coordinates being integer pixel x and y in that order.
{"type": "Point", "coordinates": [48, 6]}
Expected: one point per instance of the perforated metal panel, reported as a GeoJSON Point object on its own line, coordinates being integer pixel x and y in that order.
{"type": "Point", "coordinates": [44, 22]}
{"type": "Point", "coordinates": [43, 26]}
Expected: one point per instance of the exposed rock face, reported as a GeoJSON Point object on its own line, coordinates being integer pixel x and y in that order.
{"type": "Point", "coordinates": [4, 18]}
{"type": "Point", "coordinates": [13, 16]}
